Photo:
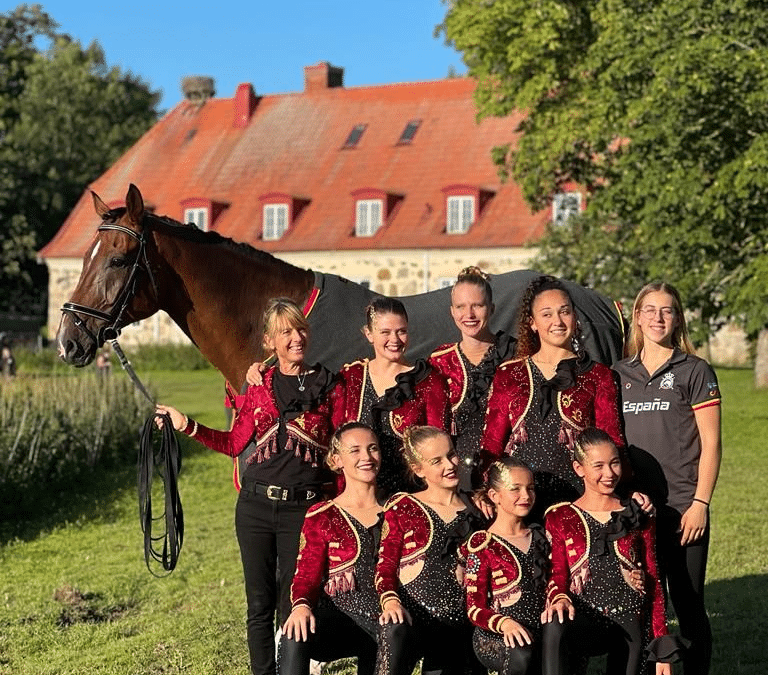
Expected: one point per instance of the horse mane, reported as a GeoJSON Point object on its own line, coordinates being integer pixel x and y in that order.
{"type": "Point", "coordinates": [190, 232]}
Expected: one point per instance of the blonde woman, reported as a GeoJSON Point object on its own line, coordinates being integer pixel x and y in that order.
{"type": "Point", "coordinates": [278, 443]}
{"type": "Point", "coordinates": [671, 406]}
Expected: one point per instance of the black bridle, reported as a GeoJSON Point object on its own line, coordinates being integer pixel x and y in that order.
{"type": "Point", "coordinates": [165, 459]}
{"type": "Point", "coordinates": [111, 328]}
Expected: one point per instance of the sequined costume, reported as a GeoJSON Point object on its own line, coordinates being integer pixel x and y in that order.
{"type": "Point", "coordinates": [538, 420]}
{"type": "Point", "coordinates": [591, 565]}
{"type": "Point", "coordinates": [468, 387]}
{"type": "Point", "coordinates": [420, 396]}
{"type": "Point", "coordinates": [334, 578]}
{"type": "Point", "coordinates": [502, 581]}
{"type": "Point", "coordinates": [419, 565]}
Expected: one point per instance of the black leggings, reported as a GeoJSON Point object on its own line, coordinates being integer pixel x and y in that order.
{"type": "Point", "coordinates": [683, 568]}
{"type": "Point", "coordinates": [566, 646]}
{"type": "Point", "coordinates": [446, 650]}
{"type": "Point", "coordinates": [336, 636]}
{"type": "Point", "coordinates": [495, 655]}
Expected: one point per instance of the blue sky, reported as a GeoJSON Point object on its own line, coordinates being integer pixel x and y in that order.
{"type": "Point", "coordinates": [265, 43]}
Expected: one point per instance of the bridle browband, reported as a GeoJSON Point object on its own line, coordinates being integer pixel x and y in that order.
{"type": "Point", "coordinates": [111, 328]}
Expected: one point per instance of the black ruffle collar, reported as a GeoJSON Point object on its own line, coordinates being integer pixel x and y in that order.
{"type": "Point", "coordinates": [564, 378]}
{"type": "Point", "coordinates": [482, 376]}
{"type": "Point", "coordinates": [404, 388]}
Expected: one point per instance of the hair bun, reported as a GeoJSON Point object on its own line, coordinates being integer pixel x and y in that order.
{"type": "Point", "coordinates": [472, 272]}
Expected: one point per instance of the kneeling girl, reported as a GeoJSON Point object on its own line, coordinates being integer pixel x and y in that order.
{"type": "Point", "coordinates": [334, 605]}
{"type": "Point", "coordinates": [418, 574]}
{"type": "Point", "coordinates": [506, 574]}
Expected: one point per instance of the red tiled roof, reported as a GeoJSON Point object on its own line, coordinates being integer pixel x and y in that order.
{"type": "Point", "coordinates": [293, 145]}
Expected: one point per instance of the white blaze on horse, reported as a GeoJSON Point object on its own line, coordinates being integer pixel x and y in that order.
{"type": "Point", "coordinates": [216, 290]}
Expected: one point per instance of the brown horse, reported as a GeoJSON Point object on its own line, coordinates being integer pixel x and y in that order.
{"type": "Point", "coordinates": [216, 291]}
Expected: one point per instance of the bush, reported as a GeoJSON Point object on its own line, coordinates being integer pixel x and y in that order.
{"type": "Point", "coordinates": [54, 430]}
{"type": "Point", "coordinates": [143, 358]}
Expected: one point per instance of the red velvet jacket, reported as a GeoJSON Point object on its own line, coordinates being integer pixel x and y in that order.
{"type": "Point", "coordinates": [258, 421]}
{"type": "Point", "coordinates": [429, 404]}
{"type": "Point", "coordinates": [447, 361]}
{"type": "Point", "coordinates": [329, 547]}
{"type": "Point", "coordinates": [405, 537]}
{"type": "Point", "coordinates": [570, 538]}
{"type": "Point", "coordinates": [491, 579]}
{"type": "Point", "coordinates": [593, 401]}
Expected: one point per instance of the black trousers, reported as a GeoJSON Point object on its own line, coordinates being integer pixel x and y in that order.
{"type": "Point", "coordinates": [495, 655]}
{"type": "Point", "coordinates": [336, 636]}
{"type": "Point", "coordinates": [567, 646]}
{"type": "Point", "coordinates": [683, 569]}
{"type": "Point", "coordinates": [268, 534]}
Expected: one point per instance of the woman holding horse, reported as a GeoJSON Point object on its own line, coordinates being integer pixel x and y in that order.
{"type": "Point", "coordinates": [278, 442]}
{"type": "Point", "coordinates": [672, 420]}
{"type": "Point", "coordinates": [335, 606]}
{"type": "Point", "coordinates": [541, 400]}
{"type": "Point", "coordinates": [390, 394]}
{"type": "Point", "coordinates": [469, 366]}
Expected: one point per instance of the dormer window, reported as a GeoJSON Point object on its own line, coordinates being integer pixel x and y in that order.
{"type": "Point", "coordinates": [374, 208]}
{"type": "Point", "coordinates": [368, 219]}
{"type": "Point", "coordinates": [355, 135]}
{"type": "Point", "coordinates": [409, 132]}
{"type": "Point", "coordinates": [279, 213]}
{"type": "Point", "coordinates": [275, 221]}
{"type": "Point", "coordinates": [565, 205]}
{"type": "Point", "coordinates": [198, 217]}
{"type": "Point", "coordinates": [461, 214]}
{"type": "Point", "coordinates": [464, 205]}
{"type": "Point", "coordinates": [202, 212]}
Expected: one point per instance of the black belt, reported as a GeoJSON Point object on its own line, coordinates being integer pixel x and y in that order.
{"type": "Point", "coordinates": [282, 494]}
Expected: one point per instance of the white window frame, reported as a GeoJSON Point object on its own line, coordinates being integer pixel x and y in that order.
{"type": "Point", "coordinates": [459, 214]}
{"type": "Point", "coordinates": [197, 215]}
{"type": "Point", "coordinates": [272, 227]}
{"type": "Point", "coordinates": [367, 220]}
{"type": "Point", "coordinates": [565, 205]}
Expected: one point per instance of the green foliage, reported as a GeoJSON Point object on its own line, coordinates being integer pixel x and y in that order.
{"type": "Point", "coordinates": [193, 621]}
{"type": "Point", "coordinates": [56, 430]}
{"type": "Point", "coordinates": [659, 110]}
{"type": "Point", "coordinates": [64, 119]}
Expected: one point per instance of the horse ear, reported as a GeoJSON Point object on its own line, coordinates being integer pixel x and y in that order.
{"type": "Point", "coordinates": [101, 208]}
{"type": "Point", "coordinates": [134, 204]}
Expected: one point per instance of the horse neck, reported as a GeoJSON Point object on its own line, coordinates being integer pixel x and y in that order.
{"type": "Point", "coordinates": [217, 292]}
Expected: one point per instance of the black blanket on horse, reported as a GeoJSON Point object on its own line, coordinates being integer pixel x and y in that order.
{"type": "Point", "coordinates": [336, 316]}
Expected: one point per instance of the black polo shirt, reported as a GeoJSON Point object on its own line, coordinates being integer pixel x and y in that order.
{"type": "Point", "coordinates": [660, 425]}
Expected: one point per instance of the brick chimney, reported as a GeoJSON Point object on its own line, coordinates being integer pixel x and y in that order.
{"type": "Point", "coordinates": [198, 88]}
{"type": "Point", "coordinates": [244, 105]}
{"type": "Point", "coordinates": [322, 76]}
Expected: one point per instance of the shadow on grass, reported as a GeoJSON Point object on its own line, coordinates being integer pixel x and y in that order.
{"type": "Point", "coordinates": [739, 624]}
{"type": "Point", "coordinates": [94, 496]}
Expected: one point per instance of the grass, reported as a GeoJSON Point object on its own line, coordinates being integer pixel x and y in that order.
{"type": "Point", "coordinates": [75, 596]}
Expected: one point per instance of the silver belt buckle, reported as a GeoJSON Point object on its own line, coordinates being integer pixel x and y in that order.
{"type": "Point", "coordinates": [276, 493]}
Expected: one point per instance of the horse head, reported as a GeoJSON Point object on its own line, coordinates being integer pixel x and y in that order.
{"type": "Point", "coordinates": [116, 286]}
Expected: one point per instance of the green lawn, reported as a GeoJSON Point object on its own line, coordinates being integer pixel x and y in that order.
{"type": "Point", "coordinates": [77, 598]}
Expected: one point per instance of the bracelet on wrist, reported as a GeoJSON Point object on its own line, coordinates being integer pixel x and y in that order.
{"type": "Point", "coordinates": [701, 501]}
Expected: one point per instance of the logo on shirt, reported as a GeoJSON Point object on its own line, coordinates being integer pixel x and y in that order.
{"type": "Point", "coordinates": [628, 385]}
{"type": "Point", "coordinates": [645, 406]}
{"type": "Point", "coordinates": [668, 381]}
{"type": "Point", "coordinates": [713, 390]}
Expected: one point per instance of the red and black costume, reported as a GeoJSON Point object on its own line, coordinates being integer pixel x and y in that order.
{"type": "Point", "coordinates": [419, 396]}
{"type": "Point", "coordinates": [278, 442]}
{"type": "Point", "coordinates": [334, 578]}
{"type": "Point", "coordinates": [538, 420]}
{"type": "Point", "coordinates": [418, 563]}
{"type": "Point", "coordinates": [468, 388]}
{"type": "Point", "coordinates": [504, 582]}
{"type": "Point", "coordinates": [591, 566]}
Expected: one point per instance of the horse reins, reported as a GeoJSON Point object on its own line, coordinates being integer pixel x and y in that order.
{"type": "Point", "coordinates": [166, 459]}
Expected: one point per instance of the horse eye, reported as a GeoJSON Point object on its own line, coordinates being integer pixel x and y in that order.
{"type": "Point", "coordinates": [118, 262]}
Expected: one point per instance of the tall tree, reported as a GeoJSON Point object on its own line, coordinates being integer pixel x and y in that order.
{"type": "Point", "coordinates": [65, 116]}
{"type": "Point", "coordinates": [658, 109]}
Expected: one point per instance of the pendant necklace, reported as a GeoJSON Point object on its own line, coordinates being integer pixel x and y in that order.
{"type": "Point", "coordinates": [301, 377]}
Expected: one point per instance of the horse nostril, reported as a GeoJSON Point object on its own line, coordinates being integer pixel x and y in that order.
{"type": "Point", "coordinates": [71, 350]}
